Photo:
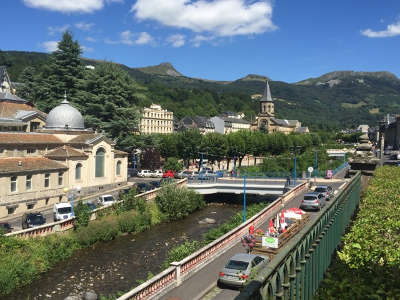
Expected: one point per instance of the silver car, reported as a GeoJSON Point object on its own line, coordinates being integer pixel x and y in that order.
{"type": "Point", "coordinates": [238, 269]}
{"type": "Point", "coordinates": [313, 200]}
{"type": "Point", "coordinates": [326, 190]}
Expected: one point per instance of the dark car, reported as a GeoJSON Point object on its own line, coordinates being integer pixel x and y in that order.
{"type": "Point", "coordinates": [91, 206]}
{"type": "Point", "coordinates": [132, 172]}
{"type": "Point", "coordinates": [31, 220]}
{"type": "Point", "coordinates": [155, 184]}
{"type": "Point", "coordinates": [143, 187]}
{"type": "Point", "coordinates": [5, 227]}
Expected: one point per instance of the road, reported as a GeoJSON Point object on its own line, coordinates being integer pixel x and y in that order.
{"type": "Point", "coordinates": [203, 284]}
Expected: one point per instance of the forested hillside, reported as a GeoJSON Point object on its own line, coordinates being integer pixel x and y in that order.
{"type": "Point", "coordinates": [334, 100]}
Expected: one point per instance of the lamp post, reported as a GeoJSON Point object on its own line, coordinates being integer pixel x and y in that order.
{"type": "Point", "coordinates": [315, 164]}
{"type": "Point", "coordinates": [71, 194]}
{"type": "Point", "coordinates": [134, 161]}
{"type": "Point", "coordinates": [234, 165]}
{"type": "Point", "coordinates": [295, 150]}
{"type": "Point", "coordinates": [244, 198]}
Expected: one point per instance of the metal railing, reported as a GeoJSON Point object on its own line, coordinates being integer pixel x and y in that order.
{"type": "Point", "coordinates": [298, 269]}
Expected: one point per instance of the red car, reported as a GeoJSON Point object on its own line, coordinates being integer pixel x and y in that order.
{"type": "Point", "coordinates": [169, 174]}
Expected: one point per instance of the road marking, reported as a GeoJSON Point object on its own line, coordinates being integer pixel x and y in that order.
{"type": "Point", "coordinates": [211, 294]}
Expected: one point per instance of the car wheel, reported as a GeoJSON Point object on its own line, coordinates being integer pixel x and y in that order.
{"type": "Point", "coordinates": [220, 284]}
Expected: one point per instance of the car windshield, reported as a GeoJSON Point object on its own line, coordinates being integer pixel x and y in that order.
{"type": "Point", "coordinates": [320, 190]}
{"type": "Point", "coordinates": [187, 172]}
{"type": "Point", "coordinates": [36, 219]}
{"type": "Point", "coordinates": [64, 210]}
{"type": "Point", "coordinates": [310, 198]}
{"type": "Point", "coordinates": [108, 198]}
{"type": "Point", "coordinates": [237, 265]}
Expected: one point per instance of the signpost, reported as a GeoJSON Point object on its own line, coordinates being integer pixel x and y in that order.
{"type": "Point", "coordinates": [329, 174]}
{"type": "Point", "coordinates": [269, 241]}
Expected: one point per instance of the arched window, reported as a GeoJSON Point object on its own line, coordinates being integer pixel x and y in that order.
{"type": "Point", "coordinates": [78, 171]}
{"type": "Point", "coordinates": [100, 153]}
{"type": "Point", "coordinates": [119, 167]}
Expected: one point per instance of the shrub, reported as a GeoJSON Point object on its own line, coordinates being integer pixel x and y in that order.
{"type": "Point", "coordinates": [105, 229]}
{"type": "Point", "coordinates": [180, 252]}
{"type": "Point", "coordinates": [177, 202]}
{"type": "Point", "coordinates": [82, 214]}
{"type": "Point", "coordinates": [126, 222]}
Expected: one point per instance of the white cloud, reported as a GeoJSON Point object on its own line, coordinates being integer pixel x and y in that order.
{"type": "Point", "coordinates": [57, 29]}
{"type": "Point", "coordinates": [50, 46]}
{"type": "Point", "coordinates": [218, 17]}
{"type": "Point", "coordinates": [176, 40]}
{"type": "Point", "coordinates": [84, 26]}
{"type": "Point", "coordinates": [391, 30]}
{"type": "Point", "coordinates": [144, 38]}
{"type": "Point", "coordinates": [91, 39]}
{"type": "Point", "coordinates": [87, 49]}
{"type": "Point", "coordinates": [128, 37]}
{"type": "Point", "coordinates": [199, 39]}
{"type": "Point", "coordinates": [69, 6]}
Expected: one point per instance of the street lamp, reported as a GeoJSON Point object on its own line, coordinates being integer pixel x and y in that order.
{"type": "Point", "coordinates": [244, 198]}
{"type": "Point", "coordinates": [315, 164]}
{"type": "Point", "coordinates": [71, 194]}
{"type": "Point", "coordinates": [295, 150]}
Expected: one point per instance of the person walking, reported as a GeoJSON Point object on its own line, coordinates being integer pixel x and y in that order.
{"type": "Point", "coordinates": [288, 180]}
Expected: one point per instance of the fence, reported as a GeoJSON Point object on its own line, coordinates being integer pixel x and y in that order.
{"type": "Point", "coordinates": [68, 224]}
{"type": "Point", "coordinates": [178, 271]}
{"type": "Point", "coordinates": [298, 269]}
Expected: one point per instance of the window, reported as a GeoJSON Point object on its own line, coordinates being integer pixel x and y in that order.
{"type": "Point", "coordinates": [119, 167]}
{"type": "Point", "coordinates": [78, 171]}
{"type": "Point", "coordinates": [30, 206]}
{"type": "Point", "coordinates": [30, 151]}
{"type": "Point", "coordinates": [11, 210]}
{"type": "Point", "coordinates": [28, 183]}
{"type": "Point", "coordinates": [46, 180]}
{"type": "Point", "coordinates": [13, 183]}
{"type": "Point", "coordinates": [100, 153]}
{"type": "Point", "coordinates": [60, 178]}
{"type": "Point", "coordinates": [47, 200]}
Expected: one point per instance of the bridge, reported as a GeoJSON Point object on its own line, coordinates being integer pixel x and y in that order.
{"type": "Point", "coordinates": [239, 185]}
{"type": "Point", "coordinates": [338, 152]}
{"type": "Point", "coordinates": [294, 273]}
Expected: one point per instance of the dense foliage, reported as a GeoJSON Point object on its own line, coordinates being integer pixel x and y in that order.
{"type": "Point", "coordinates": [369, 262]}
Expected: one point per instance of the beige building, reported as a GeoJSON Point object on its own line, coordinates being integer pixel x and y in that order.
{"type": "Point", "coordinates": [35, 167]}
{"type": "Point", "coordinates": [266, 120]}
{"type": "Point", "coordinates": [156, 120]}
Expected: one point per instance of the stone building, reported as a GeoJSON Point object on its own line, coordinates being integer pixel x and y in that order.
{"type": "Point", "coordinates": [16, 114]}
{"type": "Point", "coordinates": [227, 125]}
{"type": "Point", "coordinates": [266, 120]}
{"type": "Point", "coordinates": [203, 124]}
{"type": "Point", "coordinates": [35, 167]}
{"type": "Point", "coordinates": [156, 120]}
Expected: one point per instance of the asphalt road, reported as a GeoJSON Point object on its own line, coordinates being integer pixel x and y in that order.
{"type": "Point", "coordinates": [203, 284]}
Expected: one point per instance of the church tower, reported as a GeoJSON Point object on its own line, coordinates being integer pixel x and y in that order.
{"type": "Point", "coordinates": [267, 111]}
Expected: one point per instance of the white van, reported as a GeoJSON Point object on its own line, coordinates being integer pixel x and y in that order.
{"type": "Point", "coordinates": [107, 200]}
{"type": "Point", "coordinates": [62, 211]}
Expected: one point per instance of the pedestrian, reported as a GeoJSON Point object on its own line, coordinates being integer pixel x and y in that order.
{"type": "Point", "coordinates": [251, 229]}
{"type": "Point", "coordinates": [288, 180]}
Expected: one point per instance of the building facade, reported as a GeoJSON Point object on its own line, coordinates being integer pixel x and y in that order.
{"type": "Point", "coordinates": [156, 120]}
{"type": "Point", "coordinates": [203, 124]}
{"type": "Point", "coordinates": [227, 125]}
{"type": "Point", "coordinates": [36, 167]}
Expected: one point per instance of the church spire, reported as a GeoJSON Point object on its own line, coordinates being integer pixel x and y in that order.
{"type": "Point", "coordinates": [267, 93]}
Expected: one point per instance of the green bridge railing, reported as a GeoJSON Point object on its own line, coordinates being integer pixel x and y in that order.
{"type": "Point", "coordinates": [298, 269]}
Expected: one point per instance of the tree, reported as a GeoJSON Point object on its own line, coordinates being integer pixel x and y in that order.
{"type": "Point", "coordinates": [188, 145]}
{"type": "Point", "coordinates": [172, 163]}
{"type": "Point", "coordinates": [215, 147]}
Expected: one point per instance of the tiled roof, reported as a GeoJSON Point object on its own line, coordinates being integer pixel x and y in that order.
{"type": "Point", "coordinates": [267, 94]}
{"type": "Point", "coordinates": [120, 153]}
{"type": "Point", "coordinates": [10, 109]}
{"type": "Point", "coordinates": [234, 120]}
{"type": "Point", "coordinates": [65, 152]}
{"type": "Point", "coordinates": [28, 164]}
{"type": "Point", "coordinates": [86, 138]}
{"type": "Point", "coordinates": [21, 138]}
{"type": "Point", "coordinates": [285, 123]}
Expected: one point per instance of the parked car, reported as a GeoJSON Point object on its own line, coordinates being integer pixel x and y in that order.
{"type": "Point", "coordinates": [169, 174]}
{"type": "Point", "coordinates": [237, 271]}
{"type": "Point", "coordinates": [143, 187]}
{"type": "Point", "coordinates": [106, 200]}
{"type": "Point", "coordinates": [184, 174]}
{"type": "Point", "coordinates": [155, 184]}
{"type": "Point", "coordinates": [145, 173]}
{"type": "Point", "coordinates": [132, 172]}
{"type": "Point", "coordinates": [326, 190]}
{"type": "Point", "coordinates": [91, 206]}
{"type": "Point", "coordinates": [30, 220]}
{"type": "Point", "coordinates": [395, 156]}
{"type": "Point", "coordinates": [313, 200]}
{"type": "Point", "coordinates": [62, 211]}
{"type": "Point", "coordinates": [5, 227]}
{"type": "Point", "coordinates": [158, 173]}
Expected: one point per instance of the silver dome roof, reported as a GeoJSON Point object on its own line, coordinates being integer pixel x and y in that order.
{"type": "Point", "coordinates": [65, 117]}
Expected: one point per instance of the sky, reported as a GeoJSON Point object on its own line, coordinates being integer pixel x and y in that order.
{"type": "Point", "coordinates": [284, 40]}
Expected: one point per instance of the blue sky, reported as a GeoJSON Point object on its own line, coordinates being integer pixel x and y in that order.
{"type": "Point", "coordinates": [216, 39]}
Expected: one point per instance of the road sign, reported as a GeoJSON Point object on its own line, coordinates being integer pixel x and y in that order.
{"type": "Point", "coordinates": [329, 174]}
{"type": "Point", "coordinates": [310, 169]}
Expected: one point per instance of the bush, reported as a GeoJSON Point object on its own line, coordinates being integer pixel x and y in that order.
{"type": "Point", "coordinates": [126, 222]}
{"type": "Point", "coordinates": [82, 214]}
{"type": "Point", "coordinates": [105, 229]}
{"type": "Point", "coordinates": [180, 252]}
{"type": "Point", "coordinates": [177, 202]}
{"type": "Point", "coordinates": [173, 164]}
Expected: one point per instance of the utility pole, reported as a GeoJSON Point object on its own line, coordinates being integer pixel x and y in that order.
{"type": "Point", "coordinates": [244, 198]}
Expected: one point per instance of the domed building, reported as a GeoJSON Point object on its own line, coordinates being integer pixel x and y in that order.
{"type": "Point", "coordinates": [36, 167]}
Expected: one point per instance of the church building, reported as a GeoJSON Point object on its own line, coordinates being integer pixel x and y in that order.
{"type": "Point", "coordinates": [266, 120]}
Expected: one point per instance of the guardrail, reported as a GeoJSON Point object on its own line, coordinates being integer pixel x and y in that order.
{"type": "Point", "coordinates": [68, 224]}
{"type": "Point", "coordinates": [179, 271]}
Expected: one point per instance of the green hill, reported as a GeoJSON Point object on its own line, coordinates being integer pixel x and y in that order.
{"type": "Point", "coordinates": [338, 99]}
